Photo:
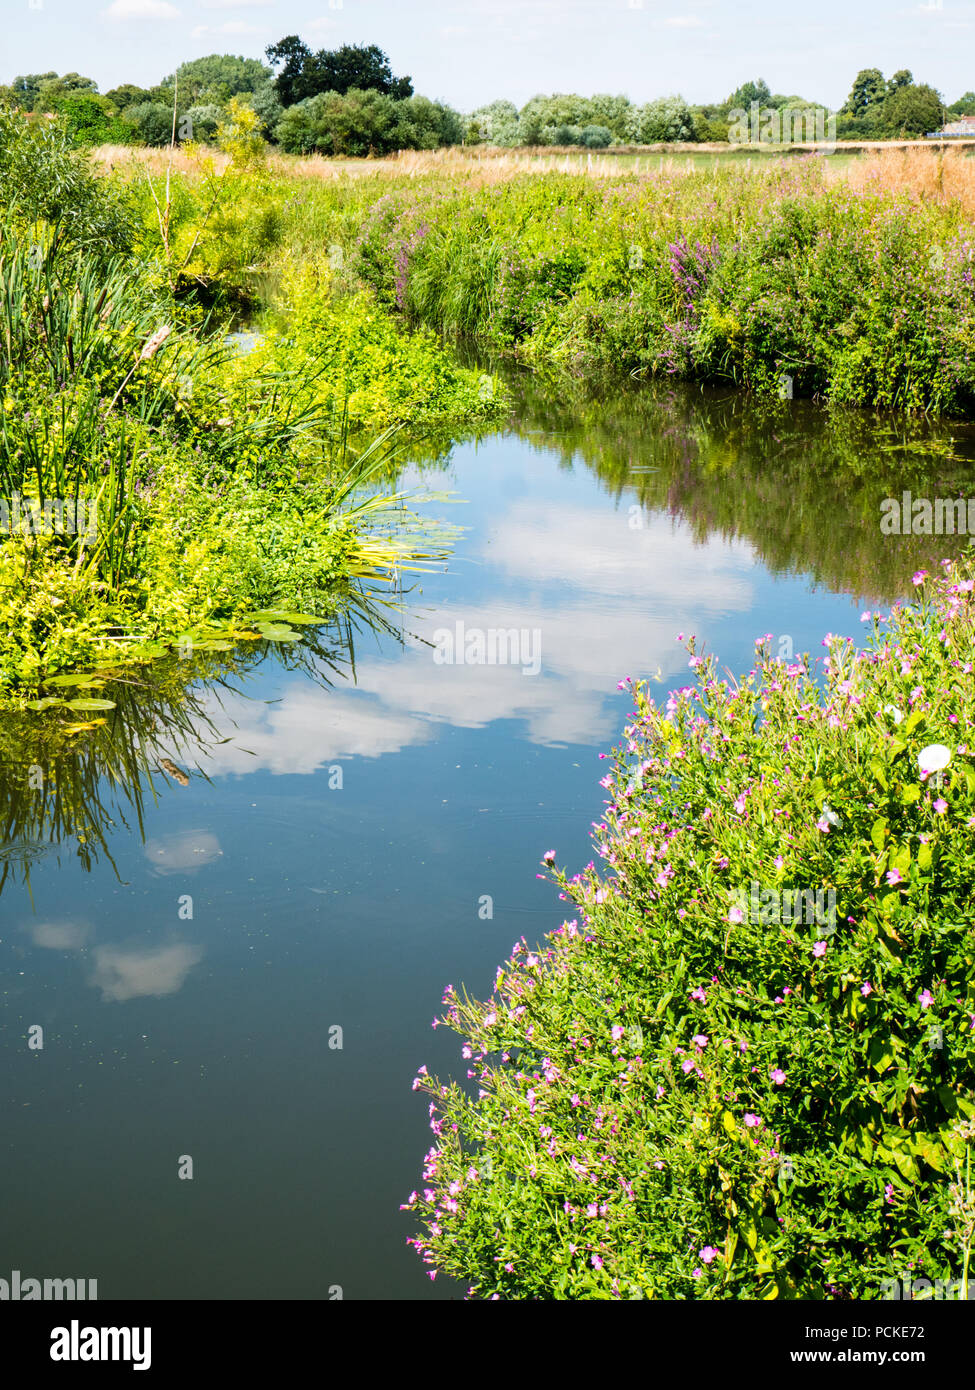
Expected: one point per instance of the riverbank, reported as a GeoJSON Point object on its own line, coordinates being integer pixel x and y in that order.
{"type": "Point", "coordinates": [159, 490]}
{"type": "Point", "coordinates": [777, 276]}
{"type": "Point", "coordinates": [744, 1068]}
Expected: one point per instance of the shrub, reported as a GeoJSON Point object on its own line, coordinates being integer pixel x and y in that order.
{"type": "Point", "coordinates": [596, 137]}
{"type": "Point", "coordinates": [700, 1087]}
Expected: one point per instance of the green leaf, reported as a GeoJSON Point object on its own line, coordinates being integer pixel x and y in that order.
{"type": "Point", "coordinates": [278, 632]}
{"type": "Point", "coordinates": [281, 615]}
{"type": "Point", "coordinates": [878, 832]}
{"type": "Point", "coordinates": [86, 680]}
{"type": "Point", "coordinates": [91, 704]}
{"type": "Point", "coordinates": [900, 859]}
{"type": "Point", "coordinates": [879, 772]}
{"type": "Point", "coordinates": [924, 857]}
{"type": "Point", "coordinates": [45, 703]}
{"type": "Point", "coordinates": [910, 793]}
{"type": "Point", "coordinates": [881, 1055]}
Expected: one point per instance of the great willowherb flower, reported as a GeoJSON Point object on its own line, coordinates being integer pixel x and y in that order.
{"type": "Point", "coordinates": [819, 949]}
{"type": "Point", "coordinates": [925, 998]}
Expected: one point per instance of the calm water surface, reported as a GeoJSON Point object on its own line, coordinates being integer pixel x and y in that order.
{"type": "Point", "coordinates": [605, 530]}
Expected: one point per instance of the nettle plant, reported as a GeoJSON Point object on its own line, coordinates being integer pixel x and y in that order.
{"type": "Point", "coordinates": [676, 1098]}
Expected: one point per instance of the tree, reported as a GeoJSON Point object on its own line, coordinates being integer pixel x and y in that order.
{"type": "Point", "coordinates": [869, 90]}
{"type": "Point", "coordinates": [353, 67]}
{"type": "Point", "coordinates": [152, 120]}
{"type": "Point", "coordinates": [902, 78]}
{"type": "Point", "coordinates": [127, 95]}
{"type": "Point", "coordinates": [748, 92]}
{"type": "Point", "coordinates": [597, 137]}
{"type": "Point", "coordinates": [28, 87]}
{"type": "Point", "coordinates": [292, 82]}
{"type": "Point", "coordinates": [913, 110]}
{"type": "Point", "coordinates": [218, 77]}
{"type": "Point", "coordinates": [91, 120]}
{"type": "Point", "coordinates": [498, 123]}
{"type": "Point", "coordinates": [664, 120]}
{"type": "Point", "coordinates": [964, 106]}
{"type": "Point", "coordinates": [53, 90]}
{"type": "Point", "coordinates": [264, 101]}
{"type": "Point", "coordinates": [201, 121]}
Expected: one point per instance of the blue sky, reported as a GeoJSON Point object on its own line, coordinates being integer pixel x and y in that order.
{"type": "Point", "coordinates": [468, 52]}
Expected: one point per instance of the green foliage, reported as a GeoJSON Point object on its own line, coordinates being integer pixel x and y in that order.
{"type": "Point", "coordinates": [152, 122]}
{"type": "Point", "coordinates": [365, 122]}
{"type": "Point", "coordinates": [731, 274]}
{"type": "Point", "coordinates": [912, 110]}
{"type": "Point", "coordinates": [703, 1085]}
{"type": "Point", "coordinates": [353, 67]}
{"type": "Point", "coordinates": [667, 119]}
{"type": "Point", "coordinates": [44, 180]}
{"type": "Point", "coordinates": [218, 77]}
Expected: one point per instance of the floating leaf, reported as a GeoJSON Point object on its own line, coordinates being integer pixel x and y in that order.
{"type": "Point", "coordinates": [278, 632]}
{"type": "Point", "coordinates": [85, 680]}
{"type": "Point", "coordinates": [91, 704]}
{"type": "Point", "coordinates": [45, 703]}
{"type": "Point", "coordinates": [280, 615]}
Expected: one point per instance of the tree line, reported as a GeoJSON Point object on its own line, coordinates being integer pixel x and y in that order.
{"type": "Point", "coordinates": [348, 101]}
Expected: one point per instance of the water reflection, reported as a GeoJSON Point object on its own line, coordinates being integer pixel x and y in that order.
{"type": "Point", "coordinates": [187, 986]}
{"type": "Point", "coordinates": [64, 794]}
{"type": "Point", "coordinates": [800, 484]}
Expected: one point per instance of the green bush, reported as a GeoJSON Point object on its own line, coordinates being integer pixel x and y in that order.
{"type": "Point", "coordinates": [703, 1086]}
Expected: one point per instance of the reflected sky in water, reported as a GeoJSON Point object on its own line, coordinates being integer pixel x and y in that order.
{"type": "Point", "coordinates": [324, 867]}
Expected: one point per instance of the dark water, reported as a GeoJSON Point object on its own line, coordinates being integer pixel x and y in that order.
{"type": "Point", "coordinates": [600, 531]}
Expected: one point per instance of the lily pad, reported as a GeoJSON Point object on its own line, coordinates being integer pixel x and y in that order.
{"type": "Point", "coordinates": [85, 680]}
{"type": "Point", "coordinates": [91, 704]}
{"type": "Point", "coordinates": [278, 632]}
{"type": "Point", "coordinates": [280, 615]}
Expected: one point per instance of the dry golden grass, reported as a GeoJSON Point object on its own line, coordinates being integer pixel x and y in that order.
{"type": "Point", "coordinates": [471, 165]}
{"type": "Point", "coordinates": [928, 175]}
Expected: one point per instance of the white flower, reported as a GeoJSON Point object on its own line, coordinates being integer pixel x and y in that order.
{"type": "Point", "coordinates": [894, 713]}
{"type": "Point", "coordinates": [933, 758]}
{"type": "Point", "coordinates": [830, 815]}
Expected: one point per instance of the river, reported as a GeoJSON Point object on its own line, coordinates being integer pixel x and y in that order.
{"type": "Point", "coordinates": [329, 854]}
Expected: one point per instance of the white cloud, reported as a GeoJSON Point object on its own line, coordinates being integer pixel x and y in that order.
{"type": "Point", "coordinates": [689, 21]}
{"type": "Point", "coordinates": [141, 9]}
{"type": "Point", "coordinates": [60, 936]}
{"type": "Point", "coordinates": [321, 26]}
{"type": "Point", "coordinates": [235, 4]}
{"type": "Point", "coordinates": [184, 852]}
{"type": "Point", "coordinates": [129, 972]}
{"type": "Point", "coordinates": [560, 562]}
